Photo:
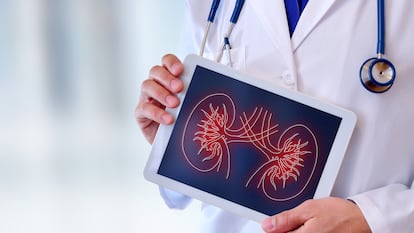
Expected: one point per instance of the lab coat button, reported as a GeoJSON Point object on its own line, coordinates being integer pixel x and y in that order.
{"type": "Point", "coordinates": [288, 79]}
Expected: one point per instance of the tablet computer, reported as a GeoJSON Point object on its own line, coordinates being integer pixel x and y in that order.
{"type": "Point", "coordinates": [247, 147]}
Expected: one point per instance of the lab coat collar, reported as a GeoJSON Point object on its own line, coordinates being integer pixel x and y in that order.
{"type": "Point", "coordinates": [272, 14]}
{"type": "Point", "coordinates": [313, 13]}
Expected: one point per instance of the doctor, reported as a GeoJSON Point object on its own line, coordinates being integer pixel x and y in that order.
{"type": "Point", "coordinates": [374, 191]}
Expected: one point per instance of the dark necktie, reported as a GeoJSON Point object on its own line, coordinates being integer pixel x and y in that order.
{"type": "Point", "coordinates": [294, 9]}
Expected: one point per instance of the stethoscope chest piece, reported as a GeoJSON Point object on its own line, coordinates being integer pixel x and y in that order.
{"type": "Point", "coordinates": [377, 74]}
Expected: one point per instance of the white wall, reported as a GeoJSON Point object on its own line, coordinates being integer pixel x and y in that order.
{"type": "Point", "coordinates": [71, 155]}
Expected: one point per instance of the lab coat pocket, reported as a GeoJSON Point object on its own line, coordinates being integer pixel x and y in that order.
{"type": "Point", "coordinates": [235, 57]}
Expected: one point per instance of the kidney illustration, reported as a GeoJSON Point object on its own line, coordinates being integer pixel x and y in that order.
{"type": "Point", "coordinates": [287, 156]}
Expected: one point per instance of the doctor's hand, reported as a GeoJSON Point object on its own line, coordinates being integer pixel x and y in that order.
{"type": "Point", "coordinates": [327, 215]}
{"type": "Point", "coordinates": [158, 92]}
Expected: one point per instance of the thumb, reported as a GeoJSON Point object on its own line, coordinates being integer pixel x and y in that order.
{"type": "Point", "coordinates": [286, 221]}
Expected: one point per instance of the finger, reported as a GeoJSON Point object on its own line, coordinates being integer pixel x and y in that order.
{"type": "Point", "coordinates": [301, 229]}
{"type": "Point", "coordinates": [172, 64]}
{"type": "Point", "coordinates": [170, 82]}
{"type": "Point", "coordinates": [167, 74]}
{"type": "Point", "coordinates": [149, 118]}
{"type": "Point", "coordinates": [289, 220]}
{"type": "Point", "coordinates": [153, 101]}
{"type": "Point", "coordinates": [152, 90]}
{"type": "Point", "coordinates": [147, 112]}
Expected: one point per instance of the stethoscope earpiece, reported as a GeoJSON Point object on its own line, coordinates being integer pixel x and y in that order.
{"type": "Point", "coordinates": [377, 75]}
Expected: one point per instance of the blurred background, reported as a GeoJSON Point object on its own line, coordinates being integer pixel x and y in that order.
{"type": "Point", "coordinates": [71, 154]}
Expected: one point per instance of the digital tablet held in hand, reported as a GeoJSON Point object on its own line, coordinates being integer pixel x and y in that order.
{"type": "Point", "coordinates": [246, 146]}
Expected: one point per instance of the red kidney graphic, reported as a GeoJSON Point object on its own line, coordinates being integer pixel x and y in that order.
{"type": "Point", "coordinates": [288, 172]}
{"type": "Point", "coordinates": [205, 137]}
{"type": "Point", "coordinates": [289, 158]}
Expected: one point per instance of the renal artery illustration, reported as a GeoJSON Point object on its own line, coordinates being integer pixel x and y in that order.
{"type": "Point", "coordinates": [287, 155]}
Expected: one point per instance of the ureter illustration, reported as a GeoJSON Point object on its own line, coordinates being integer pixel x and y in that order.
{"type": "Point", "coordinates": [213, 126]}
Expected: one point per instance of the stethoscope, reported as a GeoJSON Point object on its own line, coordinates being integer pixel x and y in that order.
{"type": "Point", "coordinates": [377, 74]}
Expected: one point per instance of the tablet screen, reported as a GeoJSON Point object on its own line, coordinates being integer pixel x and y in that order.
{"type": "Point", "coordinates": [248, 145]}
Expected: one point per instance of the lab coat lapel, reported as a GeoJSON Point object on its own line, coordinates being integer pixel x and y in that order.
{"type": "Point", "coordinates": [272, 15]}
{"type": "Point", "coordinates": [313, 13]}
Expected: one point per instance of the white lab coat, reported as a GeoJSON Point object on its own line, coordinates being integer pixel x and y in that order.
{"type": "Point", "coordinates": [322, 59]}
